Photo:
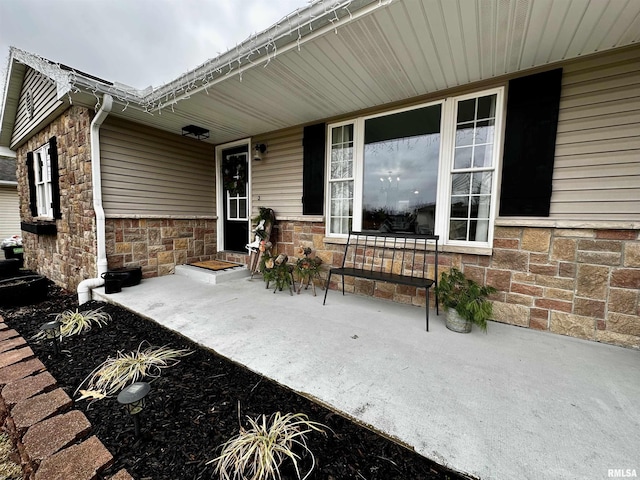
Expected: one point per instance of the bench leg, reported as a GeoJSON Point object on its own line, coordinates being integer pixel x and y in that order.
{"type": "Point", "coordinates": [428, 309]}
{"type": "Point", "coordinates": [326, 290]}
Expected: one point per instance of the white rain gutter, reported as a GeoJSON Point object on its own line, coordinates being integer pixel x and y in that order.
{"type": "Point", "coordinates": [84, 288]}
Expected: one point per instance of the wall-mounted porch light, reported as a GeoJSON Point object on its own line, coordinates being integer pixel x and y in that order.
{"type": "Point", "coordinates": [258, 150]}
{"type": "Point", "coordinates": [195, 131]}
{"type": "Point", "coordinates": [132, 397]}
{"type": "Point", "coordinates": [52, 332]}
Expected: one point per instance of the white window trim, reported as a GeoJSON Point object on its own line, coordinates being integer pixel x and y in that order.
{"type": "Point", "coordinates": [357, 174]}
{"type": "Point", "coordinates": [44, 205]}
{"type": "Point", "coordinates": [445, 165]}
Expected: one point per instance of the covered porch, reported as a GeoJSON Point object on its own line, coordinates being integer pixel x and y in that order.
{"type": "Point", "coordinates": [515, 403]}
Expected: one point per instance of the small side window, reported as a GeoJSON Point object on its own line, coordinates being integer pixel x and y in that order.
{"type": "Point", "coordinates": [42, 166]}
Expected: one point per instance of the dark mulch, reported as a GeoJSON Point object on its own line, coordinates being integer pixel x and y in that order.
{"type": "Point", "coordinates": [194, 406]}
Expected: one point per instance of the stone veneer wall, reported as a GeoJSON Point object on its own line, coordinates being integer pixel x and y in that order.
{"type": "Point", "coordinates": [158, 245]}
{"type": "Point", "coordinates": [579, 282]}
{"type": "Point", "coordinates": [69, 256]}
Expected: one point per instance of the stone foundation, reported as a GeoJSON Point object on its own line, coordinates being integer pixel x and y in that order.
{"type": "Point", "coordinates": [579, 282]}
{"type": "Point", "coordinates": [159, 245]}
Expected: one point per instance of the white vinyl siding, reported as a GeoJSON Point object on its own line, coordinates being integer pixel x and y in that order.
{"type": "Point", "coordinates": [43, 101]}
{"type": "Point", "coordinates": [9, 212]}
{"type": "Point", "coordinates": [597, 164]}
{"type": "Point", "coordinates": [149, 172]}
{"type": "Point", "coordinates": [277, 178]}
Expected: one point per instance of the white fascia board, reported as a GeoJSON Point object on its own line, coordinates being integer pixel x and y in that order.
{"type": "Point", "coordinates": [15, 74]}
{"type": "Point", "coordinates": [7, 152]}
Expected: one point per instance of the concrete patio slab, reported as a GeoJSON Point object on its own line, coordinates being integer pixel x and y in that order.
{"type": "Point", "coordinates": [514, 403]}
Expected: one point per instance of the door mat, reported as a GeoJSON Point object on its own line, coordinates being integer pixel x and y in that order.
{"type": "Point", "coordinates": [215, 265]}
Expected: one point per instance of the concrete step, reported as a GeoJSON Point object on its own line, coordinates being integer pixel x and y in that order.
{"type": "Point", "coordinates": [212, 276]}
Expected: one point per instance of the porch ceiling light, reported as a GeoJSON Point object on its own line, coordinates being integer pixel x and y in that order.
{"type": "Point", "coordinates": [195, 131]}
{"type": "Point", "coordinates": [52, 332]}
{"type": "Point", "coordinates": [132, 397]}
{"type": "Point", "coordinates": [258, 150]}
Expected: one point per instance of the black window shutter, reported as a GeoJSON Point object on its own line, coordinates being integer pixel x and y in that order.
{"type": "Point", "coordinates": [313, 145]}
{"type": "Point", "coordinates": [530, 143]}
{"type": "Point", "coordinates": [31, 176]}
{"type": "Point", "coordinates": [55, 178]}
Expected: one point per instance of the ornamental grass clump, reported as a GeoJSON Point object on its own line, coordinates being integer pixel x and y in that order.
{"type": "Point", "coordinates": [9, 470]}
{"type": "Point", "coordinates": [117, 372]}
{"type": "Point", "coordinates": [258, 452]}
{"type": "Point", "coordinates": [75, 323]}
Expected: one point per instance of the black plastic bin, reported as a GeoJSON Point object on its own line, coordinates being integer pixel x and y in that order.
{"type": "Point", "coordinates": [129, 276]}
{"type": "Point", "coordinates": [14, 252]}
{"type": "Point", "coordinates": [113, 282]}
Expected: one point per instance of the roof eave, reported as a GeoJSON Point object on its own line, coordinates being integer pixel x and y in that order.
{"type": "Point", "coordinates": [15, 76]}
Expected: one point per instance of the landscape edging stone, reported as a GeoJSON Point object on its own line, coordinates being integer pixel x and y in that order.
{"type": "Point", "coordinates": [29, 466]}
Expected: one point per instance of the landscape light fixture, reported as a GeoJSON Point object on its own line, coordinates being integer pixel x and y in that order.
{"type": "Point", "coordinates": [52, 332]}
{"type": "Point", "coordinates": [258, 150]}
{"type": "Point", "coordinates": [133, 399]}
{"type": "Point", "coordinates": [195, 131]}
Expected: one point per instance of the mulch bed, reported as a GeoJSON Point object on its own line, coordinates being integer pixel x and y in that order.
{"type": "Point", "coordinates": [193, 406]}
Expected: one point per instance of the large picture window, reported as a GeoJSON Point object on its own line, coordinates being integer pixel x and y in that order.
{"type": "Point", "coordinates": [426, 169]}
{"type": "Point", "coordinates": [401, 154]}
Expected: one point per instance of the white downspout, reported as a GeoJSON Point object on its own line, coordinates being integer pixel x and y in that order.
{"type": "Point", "coordinates": [84, 288]}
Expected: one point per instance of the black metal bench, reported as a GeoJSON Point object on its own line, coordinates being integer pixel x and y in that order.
{"type": "Point", "coordinates": [400, 258]}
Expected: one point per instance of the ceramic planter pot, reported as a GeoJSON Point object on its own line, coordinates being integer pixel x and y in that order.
{"type": "Point", "coordinates": [456, 323]}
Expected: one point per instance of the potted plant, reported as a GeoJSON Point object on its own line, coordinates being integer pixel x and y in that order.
{"type": "Point", "coordinates": [464, 300]}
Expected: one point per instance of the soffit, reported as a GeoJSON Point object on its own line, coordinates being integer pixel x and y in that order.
{"type": "Point", "coordinates": [404, 49]}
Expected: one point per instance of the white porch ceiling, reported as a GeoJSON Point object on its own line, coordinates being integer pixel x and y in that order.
{"type": "Point", "coordinates": [399, 50]}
